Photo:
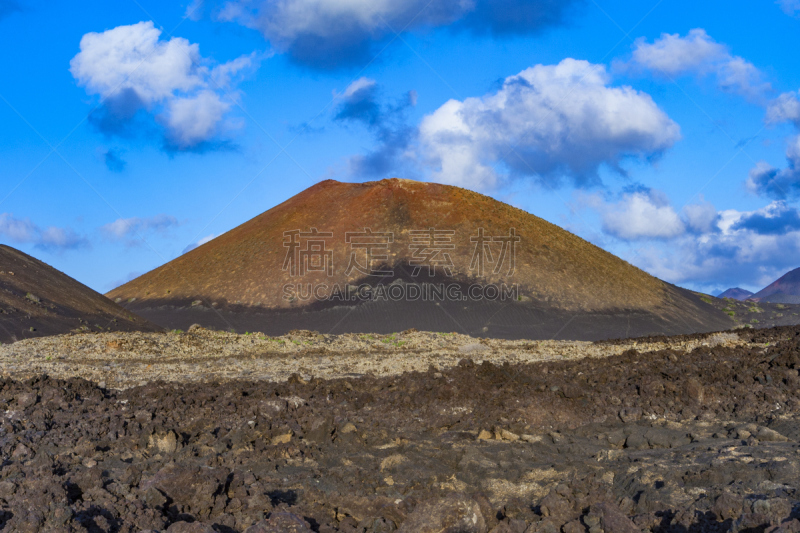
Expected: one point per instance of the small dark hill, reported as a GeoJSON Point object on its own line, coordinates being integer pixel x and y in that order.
{"type": "Point", "coordinates": [736, 293]}
{"type": "Point", "coordinates": [36, 300]}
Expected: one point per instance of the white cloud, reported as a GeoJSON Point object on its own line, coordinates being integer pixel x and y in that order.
{"type": "Point", "coordinates": [767, 180]}
{"type": "Point", "coordinates": [135, 57]}
{"type": "Point", "coordinates": [779, 184]}
{"type": "Point", "coordinates": [60, 239]}
{"type": "Point", "coordinates": [642, 215]}
{"type": "Point", "coordinates": [548, 121]}
{"type": "Point", "coordinates": [361, 84]}
{"type": "Point", "coordinates": [674, 55]}
{"type": "Point", "coordinates": [332, 33]}
{"type": "Point", "coordinates": [131, 67]}
{"type": "Point", "coordinates": [647, 214]}
{"type": "Point", "coordinates": [18, 230]}
{"type": "Point", "coordinates": [744, 251]}
{"type": "Point", "coordinates": [134, 228]}
{"type": "Point", "coordinates": [698, 54]}
{"type": "Point", "coordinates": [785, 108]}
{"type": "Point", "coordinates": [339, 30]}
{"type": "Point", "coordinates": [790, 7]}
{"type": "Point", "coordinates": [700, 246]}
{"type": "Point", "coordinates": [701, 218]}
{"type": "Point", "coordinates": [194, 119]}
{"type": "Point", "coordinates": [23, 231]}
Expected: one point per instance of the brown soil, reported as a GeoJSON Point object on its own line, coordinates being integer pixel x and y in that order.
{"type": "Point", "coordinates": [688, 437]}
{"type": "Point", "coordinates": [36, 300]}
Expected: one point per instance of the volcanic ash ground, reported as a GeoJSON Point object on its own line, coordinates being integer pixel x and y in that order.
{"type": "Point", "coordinates": [411, 432]}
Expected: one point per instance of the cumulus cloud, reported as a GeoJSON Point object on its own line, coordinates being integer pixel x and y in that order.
{"type": "Point", "coordinates": [329, 34]}
{"type": "Point", "coordinates": [785, 108]}
{"type": "Point", "coordinates": [775, 219]}
{"type": "Point", "coordinates": [547, 122]}
{"type": "Point", "coordinates": [135, 228]}
{"type": "Point", "coordinates": [642, 215]}
{"type": "Point", "coordinates": [749, 248]}
{"type": "Point", "coordinates": [361, 104]}
{"type": "Point", "coordinates": [701, 218]}
{"type": "Point", "coordinates": [698, 54]}
{"type": "Point", "coordinates": [193, 120]}
{"type": "Point", "coordinates": [767, 180]}
{"type": "Point", "coordinates": [52, 239]}
{"type": "Point", "coordinates": [698, 245]}
{"type": "Point", "coordinates": [137, 73]}
{"type": "Point", "coordinates": [779, 184]}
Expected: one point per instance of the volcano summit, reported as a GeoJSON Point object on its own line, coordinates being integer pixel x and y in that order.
{"type": "Point", "coordinates": [397, 254]}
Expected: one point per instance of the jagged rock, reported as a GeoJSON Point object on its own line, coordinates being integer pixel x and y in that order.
{"type": "Point", "coordinates": [455, 513]}
{"type": "Point", "coordinates": [281, 523]}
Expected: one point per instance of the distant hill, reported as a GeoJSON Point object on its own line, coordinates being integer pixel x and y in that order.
{"type": "Point", "coordinates": [785, 289]}
{"type": "Point", "coordinates": [36, 300]}
{"type": "Point", "coordinates": [418, 234]}
{"type": "Point", "coordinates": [736, 293]}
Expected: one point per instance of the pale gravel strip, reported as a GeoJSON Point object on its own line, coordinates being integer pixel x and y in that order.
{"type": "Point", "coordinates": [122, 360]}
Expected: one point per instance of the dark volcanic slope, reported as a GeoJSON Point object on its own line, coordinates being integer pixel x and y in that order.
{"type": "Point", "coordinates": [36, 300]}
{"type": "Point", "coordinates": [788, 285]}
{"type": "Point", "coordinates": [736, 293]}
{"type": "Point", "coordinates": [566, 284]}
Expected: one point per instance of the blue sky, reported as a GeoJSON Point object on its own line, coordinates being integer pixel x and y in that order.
{"type": "Point", "coordinates": [665, 132]}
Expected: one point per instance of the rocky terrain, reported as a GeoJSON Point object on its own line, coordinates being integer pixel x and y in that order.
{"type": "Point", "coordinates": [696, 433]}
{"type": "Point", "coordinates": [123, 360]}
{"type": "Point", "coordinates": [752, 314]}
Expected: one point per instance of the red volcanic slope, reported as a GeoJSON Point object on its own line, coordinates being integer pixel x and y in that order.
{"type": "Point", "coordinates": [246, 265]}
{"type": "Point", "coordinates": [788, 284]}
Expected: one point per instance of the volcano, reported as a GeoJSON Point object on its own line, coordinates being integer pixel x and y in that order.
{"type": "Point", "coordinates": [736, 293]}
{"type": "Point", "coordinates": [785, 290]}
{"type": "Point", "coordinates": [398, 254]}
{"type": "Point", "coordinates": [36, 300]}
